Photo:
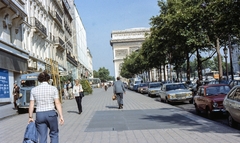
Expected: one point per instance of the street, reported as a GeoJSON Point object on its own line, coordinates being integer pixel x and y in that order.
{"type": "Point", "coordinates": [142, 120]}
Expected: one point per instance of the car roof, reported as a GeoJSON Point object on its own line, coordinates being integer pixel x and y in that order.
{"type": "Point", "coordinates": [154, 82]}
{"type": "Point", "coordinates": [212, 85]}
{"type": "Point", "coordinates": [173, 83]}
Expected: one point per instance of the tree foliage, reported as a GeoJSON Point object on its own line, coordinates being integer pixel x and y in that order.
{"type": "Point", "coordinates": [184, 28]}
{"type": "Point", "coordinates": [103, 74]}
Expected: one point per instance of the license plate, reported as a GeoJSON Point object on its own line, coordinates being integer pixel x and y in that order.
{"type": "Point", "coordinates": [182, 98]}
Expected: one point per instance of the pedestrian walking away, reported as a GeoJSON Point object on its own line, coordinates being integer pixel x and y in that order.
{"type": "Point", "coordinates": [70, 90]}
{"type": "Point", "coordinates": [65, 91]}
{"type": "Point", "coordinates": [119, 89]}
{"type": "Point", "coordinates": [15, 94]}
{"type": "Point", "coordinates": [78, 94]}
{"type": "Point", "coordinates": [46, 98]}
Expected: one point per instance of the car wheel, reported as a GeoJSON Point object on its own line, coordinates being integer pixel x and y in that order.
{"type": "Point", "coordinates": [149, 95]}
{"type": "Point", "coordinates": [20, 110]}
{"type": "Point", "coordinates": [209, 114]}
{"type": "Point", "coordinates": [231, 122]}
{"type": "Point", "coordinates": [196, 109]}
{"type": "Point", "coordinates": [191, 101]}
{"type": "Point", "coordinates": [160, 99]}
{"type": "Point", "coordinates": [166, 100]}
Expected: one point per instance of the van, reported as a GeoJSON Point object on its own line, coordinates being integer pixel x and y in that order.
{"type": "Point", "coordinates": [28, 81]}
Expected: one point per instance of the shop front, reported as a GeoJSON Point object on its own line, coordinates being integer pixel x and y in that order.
{"type": "Point", "coordinates": [12, 65]}
{"type": "Point", "coordinates": [72, 65]}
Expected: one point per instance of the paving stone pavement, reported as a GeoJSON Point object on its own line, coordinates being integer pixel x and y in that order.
{"type": "Point", "coordinates": [142, 120]}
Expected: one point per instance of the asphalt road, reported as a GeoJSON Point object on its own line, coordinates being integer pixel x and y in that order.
{"type": "Point", "coordinates": [190, 108]}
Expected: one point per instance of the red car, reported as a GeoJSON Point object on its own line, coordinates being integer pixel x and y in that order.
{"type": "Point", "coordinates": [209, 98]}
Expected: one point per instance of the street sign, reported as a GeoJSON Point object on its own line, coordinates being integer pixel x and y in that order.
{"type": "Point", "coordinates": [4, 84]}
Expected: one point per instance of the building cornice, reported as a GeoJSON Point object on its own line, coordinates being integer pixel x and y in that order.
{"type": "Point", "coordinates": [126, 40]}
{"type": "Point", "coordinates": [15, 7]}
{"type": "Point", "coordinates": [132, 30]}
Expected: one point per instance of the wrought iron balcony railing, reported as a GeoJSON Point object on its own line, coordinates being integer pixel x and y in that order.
{"type": "Point", "coordinates": [36, 23]}
{"type": "Point", "coordinates": [67, 27]}
{"type": "Point", "coordinates": [58, 18]}
{"type": "Point", "coordinates": [59, 42]}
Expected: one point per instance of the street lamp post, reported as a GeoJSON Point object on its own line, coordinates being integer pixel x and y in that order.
{"type": "Point", "coordinates": [225, 50]}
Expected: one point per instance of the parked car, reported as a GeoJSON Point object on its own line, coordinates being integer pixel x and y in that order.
{"type": "Point", "coordinates": [174, 92]}
{"type": "Point", "coordinates": [143, 88]}
{"type": "Point", "coordinates": [135, 87]}
{"type": "Point", "coordinates": [218, 82]}
{"type": "Point", "coordinates": [234, 83]}
{"type": "Point", "coordinates": [154, 88]}
{"type": "Point", "coordinates": [209, 99]}
{"type": "Point", "coordinates": [134, 84]}
{"type": "Point", "coordinates": [231, 104]}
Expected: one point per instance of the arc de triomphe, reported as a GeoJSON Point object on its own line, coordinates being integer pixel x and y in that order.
{"type": "Point", "coordinates": [124, 42]}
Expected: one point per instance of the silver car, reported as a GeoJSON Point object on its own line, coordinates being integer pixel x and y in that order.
{"type": "Point", "coordinates": [154, 88]}
{"type": "Point", "coordinates": [174, 92]}
{"type": "Point", "coordinates": [232, 105]}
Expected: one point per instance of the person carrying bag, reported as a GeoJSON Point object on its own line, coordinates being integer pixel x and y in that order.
{"type": "Point", "coordinates": [78, 94]}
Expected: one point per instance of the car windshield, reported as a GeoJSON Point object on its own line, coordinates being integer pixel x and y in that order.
{"type": "Point", "coordinates": [28, 83]}
{"type": "Point", "coordinates": [154, 85]}
{"type": "Point", "coordinates": [175, 86]}
{"type": "Point", "coordinates": [143, 84]}
{"type": "Point", "coordinates": [215, 90]}
{"type": "Point", "coordinates": [137, 82]}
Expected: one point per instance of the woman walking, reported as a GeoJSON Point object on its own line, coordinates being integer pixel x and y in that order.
{"type": "Point", "coordinates": [47, 98]}
{"type": "Point", "coordinates": [78, 93]}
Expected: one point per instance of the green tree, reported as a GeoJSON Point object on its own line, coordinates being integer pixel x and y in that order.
{"type": "Point", "coordinates": [103, 74]}
{"type": "Point", "coordinates": [95, 74]}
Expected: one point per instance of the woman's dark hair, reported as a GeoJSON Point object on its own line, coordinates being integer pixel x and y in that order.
{"type": "Point", "coordinates": [43, 76]}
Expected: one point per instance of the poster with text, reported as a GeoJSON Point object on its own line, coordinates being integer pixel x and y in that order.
{"type": "Point", "coordinates": [4, 84]}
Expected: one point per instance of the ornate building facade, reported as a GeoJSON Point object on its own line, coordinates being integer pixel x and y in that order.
{"type": "Point", "coordinates": [36, 33]}
{"type": "Point", "coordinates": [13, 57]}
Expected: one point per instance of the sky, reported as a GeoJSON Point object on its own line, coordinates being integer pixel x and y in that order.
{"type": "Point", "coordinates": [101, 17]}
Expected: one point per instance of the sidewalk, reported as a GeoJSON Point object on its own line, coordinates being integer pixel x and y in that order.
{"type": "Point", "coordinates": [142, 120]}
{"type": "Point", "coordinates": [7, 111]}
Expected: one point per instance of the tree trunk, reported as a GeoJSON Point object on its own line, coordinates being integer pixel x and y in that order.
{"type": "Point", "coordinates": [160, 72]}
{"type": "Point", "coordinates": [219, 59]}
{"type": "Point", "coordinates": [188, 68]}
{"type": "Point", "coordinates": [164, 73]}
{"type": "Point", "coordinates": [199, 65]}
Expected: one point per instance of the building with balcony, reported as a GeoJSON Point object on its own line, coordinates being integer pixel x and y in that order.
{"type": "Point", "coordinates": [90, 63]}
{"type": "Point", "coordinates": [13, 57]}
{"type": "Point", "coordinates": [35, 33]}
{"type": "Point", "coordinates": [56, 33]}
{"type": "Point", "coordinates": [80, 45]}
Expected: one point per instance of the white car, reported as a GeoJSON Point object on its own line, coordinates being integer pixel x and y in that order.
{"type": "Point", "coordinates": [175, 92]}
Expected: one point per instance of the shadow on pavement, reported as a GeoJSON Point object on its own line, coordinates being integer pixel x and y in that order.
{"type": "Point", "coordinates": [72, 112]}
{"type": "Point", "coordinates": [111, 107]}
{"type": "Point", "coordinates": [179, 121]}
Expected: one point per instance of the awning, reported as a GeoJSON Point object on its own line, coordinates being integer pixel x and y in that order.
{"type": "Point", "coordinates": [12, 62]}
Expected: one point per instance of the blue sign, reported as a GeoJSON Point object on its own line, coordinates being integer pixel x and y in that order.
{"type": "Point", "coordinates": [4, 84]}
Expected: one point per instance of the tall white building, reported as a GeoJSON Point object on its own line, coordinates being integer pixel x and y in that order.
{"type": "Point", "coordinates": [13, 57]}
{"type": "Point", "coordinates": [80, 43]}
{"type": "Point", "coordinates": [35, 32]}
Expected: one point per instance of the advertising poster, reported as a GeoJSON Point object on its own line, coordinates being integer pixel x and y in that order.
{"type": "Point", "coordinates": [4, 84]}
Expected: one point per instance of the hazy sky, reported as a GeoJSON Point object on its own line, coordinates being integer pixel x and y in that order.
{"type": "Point", "coordinates": [101, 17]}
